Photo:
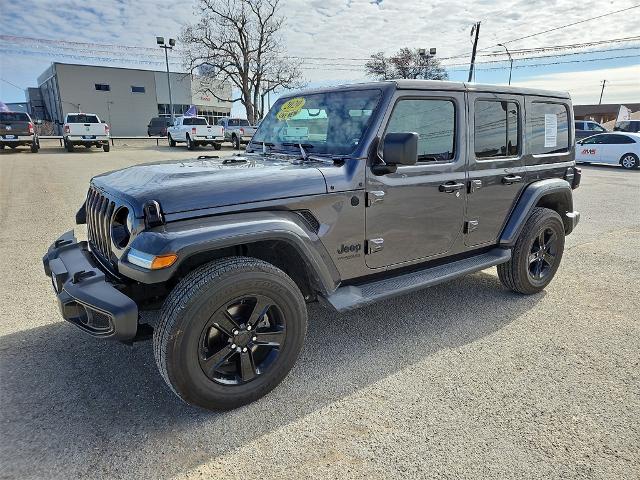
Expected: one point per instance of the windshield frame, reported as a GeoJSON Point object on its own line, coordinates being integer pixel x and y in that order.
{"type": "Point", "coordinates": [359, 150]}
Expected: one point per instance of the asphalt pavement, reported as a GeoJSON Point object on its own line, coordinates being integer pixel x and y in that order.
{"type": "Point", "coordinates": [463, 380]}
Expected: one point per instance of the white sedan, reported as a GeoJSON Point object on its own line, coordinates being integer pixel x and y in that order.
{"type": "Point", "coordinates": [613, 148]}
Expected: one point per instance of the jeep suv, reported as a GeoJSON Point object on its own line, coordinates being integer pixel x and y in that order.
{"type": "Point", "coordinates": [347, 195]}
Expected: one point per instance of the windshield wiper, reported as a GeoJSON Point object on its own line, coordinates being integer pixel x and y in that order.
{"type": "Point", "coordinates": [303, 152]}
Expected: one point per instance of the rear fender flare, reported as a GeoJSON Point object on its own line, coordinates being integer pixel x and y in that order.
{"type": "Point", "coordinates": [553, 193]}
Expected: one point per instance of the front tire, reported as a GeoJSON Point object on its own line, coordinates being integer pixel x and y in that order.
{"type": "Point", "coordinates": [536, 255]}
{"type": "Point", "coordinates": [172, 142]}
{"type": "Point", "coordinates": [229, 332]}
{"type": "Point", "coordinates": [106, 147]}
{"type": "Point", "coordinates": [629, 161]}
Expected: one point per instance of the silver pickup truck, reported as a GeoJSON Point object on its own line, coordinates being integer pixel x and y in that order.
{"type": "Point", "coordinates": [237, 130]}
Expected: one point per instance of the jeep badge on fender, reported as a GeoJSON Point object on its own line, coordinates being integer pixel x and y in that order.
{"type": "Point", "coordinates": [231, 250]}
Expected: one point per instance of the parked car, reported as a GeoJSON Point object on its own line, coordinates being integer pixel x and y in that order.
{"type": "Point", "coordinates": [85, 129]}
{"type": "Point", "coordinates": [158, 126]}
{"type": "Point", "coordinates": [237, 130]}
{"type": "Point", "coordinates": [16, 129]}
{"type": "Point", "coordinates": [613, 148]}
{"type": "Point", "coordinates": [631, 126]}
{"type": "Point", "coordinates": [349, 195]}
{"type": "Point", "coordinates": [586, 128]}
{"type": "Point", "coordinates": [195, 131]}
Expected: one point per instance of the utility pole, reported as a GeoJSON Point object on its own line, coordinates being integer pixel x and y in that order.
{"type": "Point", "coordinates": [172, 43]}
{"type": "Point", "coordinates": [604, 82]}
{"type": "Point", "coordinates": [476, 30]}
{"type": "Point", "coordinates": [510, 60]}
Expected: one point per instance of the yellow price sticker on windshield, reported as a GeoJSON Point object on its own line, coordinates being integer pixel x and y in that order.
{"type": "Point", "coordinates": [290, 108]}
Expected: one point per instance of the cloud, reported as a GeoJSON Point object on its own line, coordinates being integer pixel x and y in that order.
{"type": "Point", "coordinates": [585, 88]}
{"type": "Point", "coordinates": [351, 29]}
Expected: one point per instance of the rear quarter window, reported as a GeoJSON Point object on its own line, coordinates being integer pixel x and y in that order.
{"type": "Point", "coordinates": [549, 128]}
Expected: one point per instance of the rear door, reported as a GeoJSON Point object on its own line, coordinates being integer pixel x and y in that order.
{"type": "Point", "coordinates": [417, 212]}
{"type": "Point", "coordinates": [588, 150]}
{"type": "Point", "coordinates": [496, 164]}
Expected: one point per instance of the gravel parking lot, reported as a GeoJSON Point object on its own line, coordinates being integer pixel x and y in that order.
{"type": "Point", "coordinates": [465, 380]}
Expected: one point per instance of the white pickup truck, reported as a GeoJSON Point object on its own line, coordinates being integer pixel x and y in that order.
{"type": "Point", "coordinates": [195, 131]}
{"type": "Point", "coordinates": [237, 130]}
{"type": "Point", "coordinates": [85, 129]}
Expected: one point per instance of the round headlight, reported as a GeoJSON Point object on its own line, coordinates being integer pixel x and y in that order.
{"type": "Point", "coordinates": [121, 226]}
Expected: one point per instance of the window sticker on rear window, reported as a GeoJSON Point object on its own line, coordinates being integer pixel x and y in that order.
{"type": "Point", "coordinates": [550, 130]}
{"type": "Point", "coordinates": [290, 108]}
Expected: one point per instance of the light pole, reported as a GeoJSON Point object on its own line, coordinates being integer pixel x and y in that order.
{"type": "Point", "coordinates": [510, 60]}
{"type": "Point", "coordinates": [425, 56]}
{"type": "Point", "coordinates": [172, 43]}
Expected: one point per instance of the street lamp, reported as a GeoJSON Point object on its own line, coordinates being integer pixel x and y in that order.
{"type": "Point", "coordinates": [510, 60]}
{"type": "Point", "coordinates": [425, 56]}
{"type": "Point", "coordinates": [161, 44]}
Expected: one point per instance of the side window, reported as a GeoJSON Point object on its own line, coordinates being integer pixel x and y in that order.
{"type": "Point", "coordinates": [434, 122]}
{"type": "Point", "coordinates": [590, 141]}
{"type": "Point", "coordinates": [549, 128]}
{"type": "Point", "coordinates": [497, 129]}
{"type": "Point", "coordinates": [620, 139]}
{"type": "Point", "coordinates": [579, 126]}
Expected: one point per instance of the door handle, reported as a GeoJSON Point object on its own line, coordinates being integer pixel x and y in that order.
{"type": "Point", "coordinates": [451, 187]}
{"type": "Point", "coordinates": [510, 179]}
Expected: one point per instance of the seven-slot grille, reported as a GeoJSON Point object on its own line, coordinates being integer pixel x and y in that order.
{"type": "Point", "coordinates": [99, 212]}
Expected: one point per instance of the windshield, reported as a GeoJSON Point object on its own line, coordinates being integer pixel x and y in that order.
{"type": "Point", "coordinates": [13, 117]}
{"type": "Point", "coordinates": [324, 123]}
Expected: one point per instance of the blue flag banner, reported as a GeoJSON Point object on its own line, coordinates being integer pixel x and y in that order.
{"type": "Point", "coordinates": [191, 112]}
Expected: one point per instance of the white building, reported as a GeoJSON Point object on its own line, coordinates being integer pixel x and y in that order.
{"type": "Point", "coordinates": [128, 98]}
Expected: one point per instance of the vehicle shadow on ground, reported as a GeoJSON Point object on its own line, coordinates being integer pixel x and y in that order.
{"type": "Point", "coordinates": [77, 407]}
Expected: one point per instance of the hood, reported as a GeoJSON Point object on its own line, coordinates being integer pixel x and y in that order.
{"type": "Point", "coordinates": [181, 186]}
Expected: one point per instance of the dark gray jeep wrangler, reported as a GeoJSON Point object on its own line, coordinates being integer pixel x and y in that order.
{"type": "Point", "coordinates": [348, 196]}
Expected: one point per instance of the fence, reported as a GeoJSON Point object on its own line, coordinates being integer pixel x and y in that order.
{"type": "Point", "coordinates": [113, 139]}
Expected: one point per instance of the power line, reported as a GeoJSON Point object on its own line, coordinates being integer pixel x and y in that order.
{"type": "Point", "coordinates": [12, 84]}
{"type": "Point", "coordinates": [567, 25]}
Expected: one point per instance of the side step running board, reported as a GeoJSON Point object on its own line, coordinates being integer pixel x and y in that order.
{"type": "Point", "coordinates": [352, 297]}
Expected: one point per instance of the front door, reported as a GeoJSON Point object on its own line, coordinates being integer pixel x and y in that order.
{"type": "Point", "coordinates": [417, 212]}
{"type": "Point", "coordinates": [496, 164]}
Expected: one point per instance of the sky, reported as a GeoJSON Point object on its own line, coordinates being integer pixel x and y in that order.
{"type": "Point", "coordinates": [344, 33]}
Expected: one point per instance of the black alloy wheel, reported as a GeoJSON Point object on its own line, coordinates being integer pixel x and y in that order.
{"type": "Point", "coordinates": [242, 340]}
{"type": "Point", "coordinates": [543, 253]}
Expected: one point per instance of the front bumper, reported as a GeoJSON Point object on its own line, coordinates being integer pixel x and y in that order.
{"type": "Point", "coordinates": [85, 296]}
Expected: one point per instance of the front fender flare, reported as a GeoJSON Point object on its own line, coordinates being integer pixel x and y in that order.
{"type": "Point", "coordinates": [555, 190]}
{"type": "Point", "coordinates": [190, 237]}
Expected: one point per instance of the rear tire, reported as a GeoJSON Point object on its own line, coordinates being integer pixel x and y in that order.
{"type": "Point", "coordinates": [69, 146]}
{"type": "Point", "coordinates": [236, 142]}
{"type": "Point", "coordinates": [217, 146]}
{"type": "Point", "coordinates": [190, 144]}
{"type": "Point", "coordinates": [536, 255]}
{"type": "Point", "coordinates": [629, 161]}
{"type": "Point", "coordinates": [106, 147]}
{"type": "Point", "coordinates": [203, 345]}
{"type": "Point", "coordinates": [35, 147]}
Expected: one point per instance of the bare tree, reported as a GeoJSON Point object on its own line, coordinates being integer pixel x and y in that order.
{"type": "Point", "coordinates": [406, 63]}
{"type": "Point", "coordinates": [238, 41]}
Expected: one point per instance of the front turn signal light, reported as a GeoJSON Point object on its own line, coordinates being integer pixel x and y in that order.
{"type": "Point", "coordinates": [151, 262]}
{"type": "Point", "coordinates": [163, 261]}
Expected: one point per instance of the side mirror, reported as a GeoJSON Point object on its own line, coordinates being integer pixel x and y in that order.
{"type": "Point", "coordinates": [400, 148]}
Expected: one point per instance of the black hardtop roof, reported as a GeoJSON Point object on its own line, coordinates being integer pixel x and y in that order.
{"type": "Point", "coordinates": [426, 85]}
